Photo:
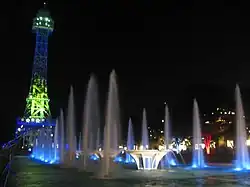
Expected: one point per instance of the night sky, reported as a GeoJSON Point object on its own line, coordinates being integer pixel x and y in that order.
{"type": "Point", "coordinates": [172, 51]}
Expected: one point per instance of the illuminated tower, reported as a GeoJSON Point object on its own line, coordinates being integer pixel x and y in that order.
{"type": "Point", "coordinates": [37, 111]}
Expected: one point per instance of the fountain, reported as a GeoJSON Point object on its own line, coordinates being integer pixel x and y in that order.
{"type": "Point", "coordinates": [144, 158]}
{"type": "Point", "coordinates": [91, 120]}
{"type": "Point", "coordinates": [167, 136]}
{"type": "Point", "coordinates": [70, 130]}
{"type": "Point", "coordinates": [62, 134]}
{"type": "Point", "coordinates": [167, 161]}
{"type": "Point", "coordinates": [242, 155]}
{"type": "Point", "coordinates": [98, 139]}
{"type": "Point", "coordinates": [43, 146]}
{"type": "Point", "coordinates": [198, 155]}
{"type": "Point", "coordinates": [79, 146]}
{"type": "Point", "coordinates": [130, 138]}
{"type": "Point", "coordinates": [145, 140]}
{"type": "Point", "coordinates": [130, 142]}
{"type": "Point", "coordinates": [56, 140]}
{"type": "Point", "coordinates": [111, 129]}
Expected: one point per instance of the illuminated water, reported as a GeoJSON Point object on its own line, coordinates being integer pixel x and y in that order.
{"type": "Point", "coordinates": [130, 137]}
{"type": "Point", "coordinates": [98, 140]}
{"type": "Point", "coordinates": [242, 155]}
{"type": "Point", "coordinates": [30, 174]}
{"type": "Point", "coordinates": [167, 136]}
{"type": "Point", "coordinates": [198, 155]}
{"type": "Point", "coordinates": [91, 124]}
{"type": "Point", "coordinates": [48, 148]}
{"type": "Point", "coordinates": [62, 138]}
{"type": "Point", "coordinates": [79, 145]}
{"type": "Point", "coordinates": [70, 130]}
{"type": "Point", "coordinates": [168, 160]}
{"type": "Point", "coordinates": [130, 142]}
{"type": "Point", "coordinates": [44, 146]}
{"type": "Point", "coordinates": [56, 141]}
{"type": "Point", "coordinates": [145, 140]}
{"type": "Point", "coordinates": [111, 130]}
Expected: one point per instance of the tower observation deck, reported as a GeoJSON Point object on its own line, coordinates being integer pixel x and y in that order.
{"type": "Point", "coordinates": [37, 111]}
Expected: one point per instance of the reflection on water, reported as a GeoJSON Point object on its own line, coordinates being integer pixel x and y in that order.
{"type": "Point", "coordinates": [31, 174]}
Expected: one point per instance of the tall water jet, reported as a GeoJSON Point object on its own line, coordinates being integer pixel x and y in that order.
{"type": "Point", "coordinates": [145, 140]}
{"type": "Point", "coordinates": [56, 140]}
{"type": "Point", "coordinates": [62, 136]}
{"type": "Point", "coordinates": [130, 138]}
{"type": "Point", "coordinates": [167, 139]}
{"type": "Point", "coordinates": [71, 129]}
{"type": "Point", "coordinates": [98, 139]}
{"type": "Point", "coordinates": [79, 142]}
{"type": "Point", "coordinates": [242, 155]}
{"type": "Point", "coordinates": [91, 120]}
{"type": "Point", "coordinates": [167, 136]}
{"type": "Point", "coordinates": [48, 145]}
{"type": "Point", "coordinates": [112, 126]}
{"type": "Point", "coordinates": [198, 155]}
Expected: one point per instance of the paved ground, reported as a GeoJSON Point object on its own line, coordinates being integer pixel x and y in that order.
{"type": "Point", "coordinates": [27, 173]}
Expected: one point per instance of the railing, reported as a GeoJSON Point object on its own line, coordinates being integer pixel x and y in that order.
{"type": "Point", "coordinates": [10, 146]}
{"type": "Point", "coordinates": [6, 172]}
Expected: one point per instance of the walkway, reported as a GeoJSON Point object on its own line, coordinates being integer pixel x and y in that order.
{"type": "Point", "coordinates": [27, 173]}
{"type": "Point", "coordinates": [33, 174]}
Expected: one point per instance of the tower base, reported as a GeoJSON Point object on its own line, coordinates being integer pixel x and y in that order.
{"type": "Point", "coordinates": [29, 129]}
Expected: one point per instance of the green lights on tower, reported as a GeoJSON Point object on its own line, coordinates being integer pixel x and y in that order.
{"type": "Point", "coordinates": [38, 101]}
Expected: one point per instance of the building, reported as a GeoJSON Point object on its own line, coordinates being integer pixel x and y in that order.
{"type": "Point", "coordinates": [219, 122]}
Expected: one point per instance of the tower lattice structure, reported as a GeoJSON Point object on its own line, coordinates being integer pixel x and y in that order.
{"type": "Point", "coordinates": [37, 110]}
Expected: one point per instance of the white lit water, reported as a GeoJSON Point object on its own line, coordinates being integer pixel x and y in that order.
{"type": "Point", "coordinates": [91, 121]}
{"type": "Point", "coordinates": [112, 127]}
{"type": "Point", "coordinates": [242, 155]}
{"type": "Point", "coordinates": [61, 137]}
{"type": "Point", "coordinates": [167, 136]}
{"type": "Point", "coordinates": [45, 149]}
{"type": "Point", "coordinates": [98, 140]}
{"type": "Point", "coordinates": [79, 145]}
{"type": "Point", "coordinates": [67, 142]}
{"type": "Point", "coordinates": [145, 140]}
{"type": "Point", "coordinates": [70, 131]}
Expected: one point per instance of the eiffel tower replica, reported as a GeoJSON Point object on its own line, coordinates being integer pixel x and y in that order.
{"type": "Point", "coordinates": [37, 111]}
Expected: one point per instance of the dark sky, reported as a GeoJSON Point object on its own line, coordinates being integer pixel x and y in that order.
{"type": "Point", "coordinates": [172, 51]}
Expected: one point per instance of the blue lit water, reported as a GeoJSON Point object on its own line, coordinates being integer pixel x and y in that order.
{"type": "Point", "coordinates": [27, 173]}
{"type": "Point", "coordinates": [198, 153]}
